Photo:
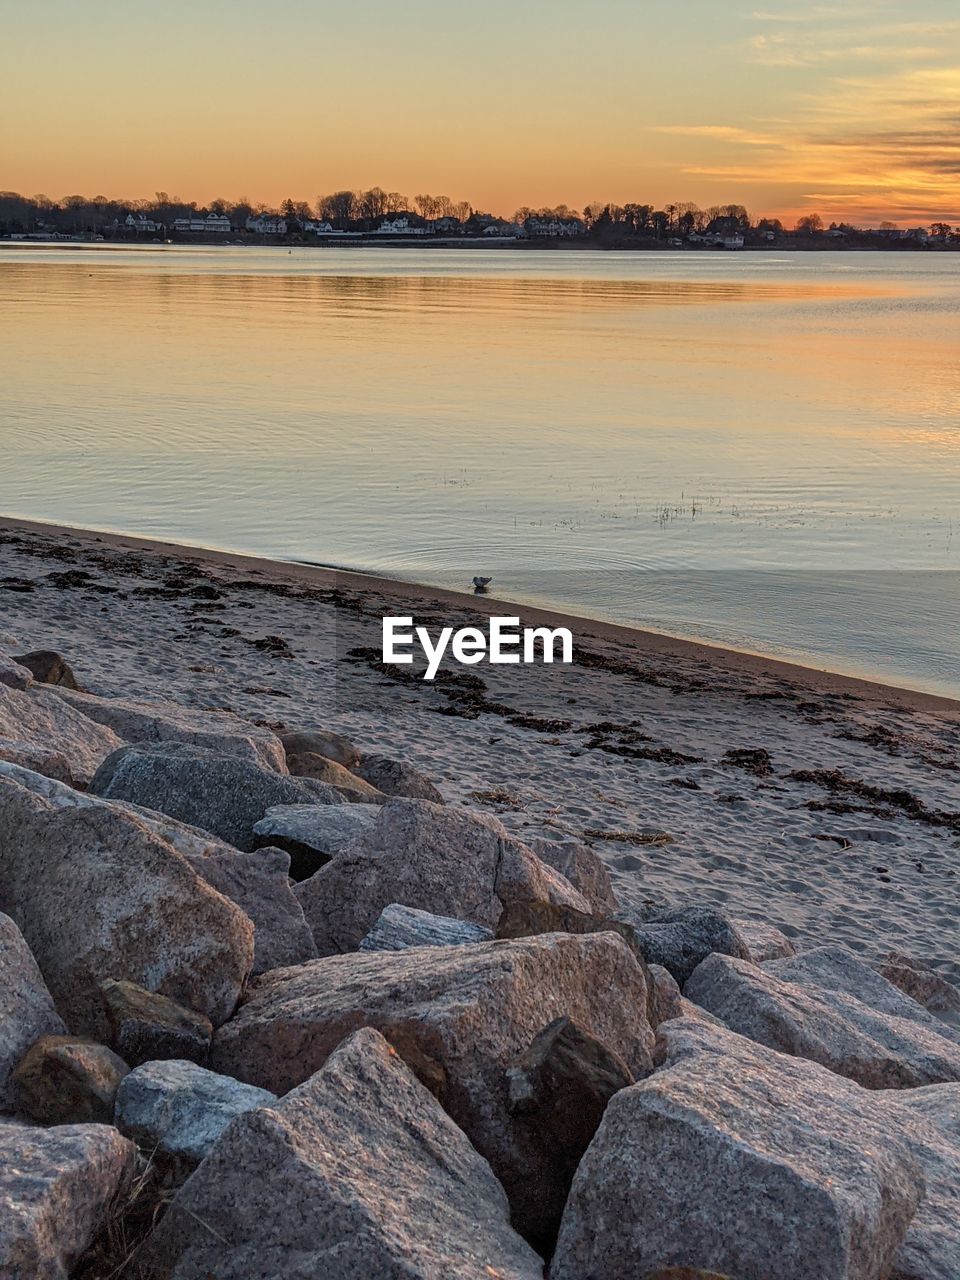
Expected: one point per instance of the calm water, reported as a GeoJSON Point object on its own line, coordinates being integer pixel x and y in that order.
{"type": "Point", "coordinates": [758, 449]}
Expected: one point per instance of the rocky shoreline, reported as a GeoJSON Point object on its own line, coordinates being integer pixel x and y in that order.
{"type": "Point", "coordinates": [346, 990]}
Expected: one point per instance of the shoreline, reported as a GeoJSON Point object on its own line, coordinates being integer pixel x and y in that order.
{"type": "Point", "coordinates": [650, 644]}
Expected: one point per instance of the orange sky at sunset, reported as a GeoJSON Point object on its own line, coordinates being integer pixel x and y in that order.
{"type": "Point", "coordinates": [848, 109]}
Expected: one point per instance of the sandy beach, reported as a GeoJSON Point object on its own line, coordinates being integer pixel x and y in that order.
{"type": "Point", "coordinates": [827, 806]}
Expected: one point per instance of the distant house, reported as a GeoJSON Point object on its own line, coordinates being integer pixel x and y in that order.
{"type": "Point", "coordinates": [554, 228]}
{"type": "Point", "coordinates": [267, 225]}
{"type": "Point", "coordinates": [142, 225]}
{"type": "Point", "coordinates": [398, 224]}
{"type": "Point", "coordinates": [321, 228]}
{"type": "Point", "coordinates": [446, 226]}
{"type": "Point", "coordinates": [213, 223]}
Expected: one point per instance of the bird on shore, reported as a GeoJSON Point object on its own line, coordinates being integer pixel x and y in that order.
{"type": "Point", "coordinates": [480, 585]}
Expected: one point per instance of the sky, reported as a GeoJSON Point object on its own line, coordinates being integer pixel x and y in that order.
{"type": "Point", "coordinates": [850, 110]}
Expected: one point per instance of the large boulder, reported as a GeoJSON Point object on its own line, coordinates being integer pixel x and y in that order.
{"type": "Point", "coordinates": [356, 1174]}
{"type": "Point", "coordinates": [460, 1016]}
{"type": "Point", "coordinates": [877, 1049]}
{"type": "Point", "coordinates": [321, 742]}
{"type": "Point", "coordinates": [397, 778]}
{"type": "Point", "coordinates": [38, 729]}
{"type": "Point", "coordinates": [146, 1026]}
{"type": "Point", "coordinates": [928, 1119]}
{"type": "Point", "coordinates": [181, 1109]}
{"type": "Point", "coordinates": [98, 895]}
{"type": "Point", "coordinates": [221, 731]}
{"type": "Point", "coordinates": [447, 862]}
{"type": "Point", "coordinates": [257, 882]}
{"type": "Point", "coordinates": [400, 927]}
{"type": "Point", "coordinates": [13, 674]}
{"type": "Point", "coordinates": [221, 793]}
{"type": "Point", "coordinates": [26, 1008]}
{"type": "Point", "coordinates": [313, 834]}
{"type": "Point", "coordinates": [57, 1187]}
{"type": "Point", "coordinates": [922, 983]}
{"type": "Point", "coordinates": [680, 939]}
{"type": "Point", "coordinates": [585, 870]}
{"type": "Point", "coordinates": [48, 667]}
{"type": "Point", "coordinates": [764, 941]}
{"type": "Point", "coordinates": [736, 1159]}
{"type": "Point", "coordinates": [351, 787]}
{"type": "Point", "coordinates": [67, 1080]}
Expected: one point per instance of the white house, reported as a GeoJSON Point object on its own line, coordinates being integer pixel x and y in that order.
{"type": "Point", "coordinates": [554, 227]}
{"type": "Point", "coordinates": [317, 228]}
{"type": "Point", "coordinates": [266, 225]}
{"type": "Point", "coordinates": [213, 223]}
{"type": "Point", "coordinates": [142, 225]}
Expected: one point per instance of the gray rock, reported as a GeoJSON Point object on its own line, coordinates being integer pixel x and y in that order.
{"type": "Point", "coordinates": [879, 1050]}
{"type": "Point", "coordinates": [738, 1160]}
{"type": "Point", "coordinates": [356, 1174]}
{"type": "Point", "coordinates": [26, 1008]}
{"type": "Point", "coordinates": [418, 854]}
{"type": "Point", "coordinates": [585, 870]}
{"type": "Point", "coordinates": [259, 883]}
{"type": "Point", "coordinates": [221, 793]}
{"type": "Point", "coordinates": [98, 895]}
{"type": "Point", "coordinates": [351, 787]}
{"type": "Point", "coordinates": [928, 1120]}
{"type": "Point", "coordinates": [66, 1080]}
{"type": "Point", "coordinates": [460, 1017]}
{"type": "Point", "coordinates": [37, 725]}
{"type": "Point", "coordinates": [321, 742]}
{"type": "Point", "coordinates": [220, 731]}
{"type": "Point", "coordinates": [181, 1109]}
{"type": "Point", "coordinates": [145, 1026]}
{"type": "Point", "coordinates": [313, 834]}
{"type": "Point", "coordinates": [397, 778]}
{"type": "Point", "coordinates": [48, 667]}
{"type": "Point", "coordinates": [922, 983]}
{"type": "Point", "coordinates": [680, 939]}
{"type": "Point", "coordinates": [401, 927]}
{"type": "Point", "coordinates": [57, 1187]}
{"type": "Point", "coordinates": [13, 674]}
{"type": "Point", "coordinates": [764, 941]}
{"type": "Point", "coordinates": [669, 1000]}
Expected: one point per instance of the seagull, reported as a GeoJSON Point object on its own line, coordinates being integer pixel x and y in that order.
{"type": "Point", "coordinates": [480, 585]}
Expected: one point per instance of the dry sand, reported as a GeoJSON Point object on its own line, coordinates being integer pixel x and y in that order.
{"type": "Point", "coordinates": [629, 748]}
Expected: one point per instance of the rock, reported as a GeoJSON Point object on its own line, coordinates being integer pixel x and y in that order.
{"type": "Point", "coordinates": [397, 778]}
{"type": "Point", "coordinates": [835, 968]}
{"type": "Point", "coordinates": [669, 1000]}
{"type": "Point", "coordinates": [49, 667]}
{"type": "Point", "coordinates": [356, 1174]}
{"type": "Point", "coordinates": [26, 1009]}
{"type": "Point", "coordinates": [401, 927]}
{"type": "Point", "coordinates": [98, 895]}
{"type": "Point", "coordinates": [57, 1187]}
{"type": "Point", "coordinates": [680, 939]}
{"type": "Point", "coordinates": [418, 854]}
{"type": "Point", "coordinates": [559, 1088]}
{"type": "Point", "coordinates": [145, 1026]}
{"type": "Point", "coordinates": [221, 793]}
{"type": "Point", "coordinates": [67, 1080]}
{"type": "Point", "coordinates": [879, 1050]}
{"type": "Point", "coordinates": [312, 834]}
{"type": "Point", "coordinates": [764, 942]}
{"type": "Point", "coordinates": [352, 788]}
{"type": "Point", "coordinates": [40, 726]}
{"type": "Point", "coordinates": [220, 731]}
{"type": "Point", "coordinates": [52, 763]}
{"type": "Point", "coordinates": [929, 1121]}
{"type": "Point", "coordinates": [321, 742]}
{"type": "Point", "coordinates": [923, 984]}
{"type": "Point", "coordinates": [736, 1159]}
{"type": "Point", "coordinates": [181, 1109]}
{"type": "Point", "coordinates": [13, 674]}
{"type": "Point", "coordinates": [460, 1016]}
{"type": "Point", "coordinates": [585, 870]}
{"type": "Point", "coordinates": [259, 883]}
